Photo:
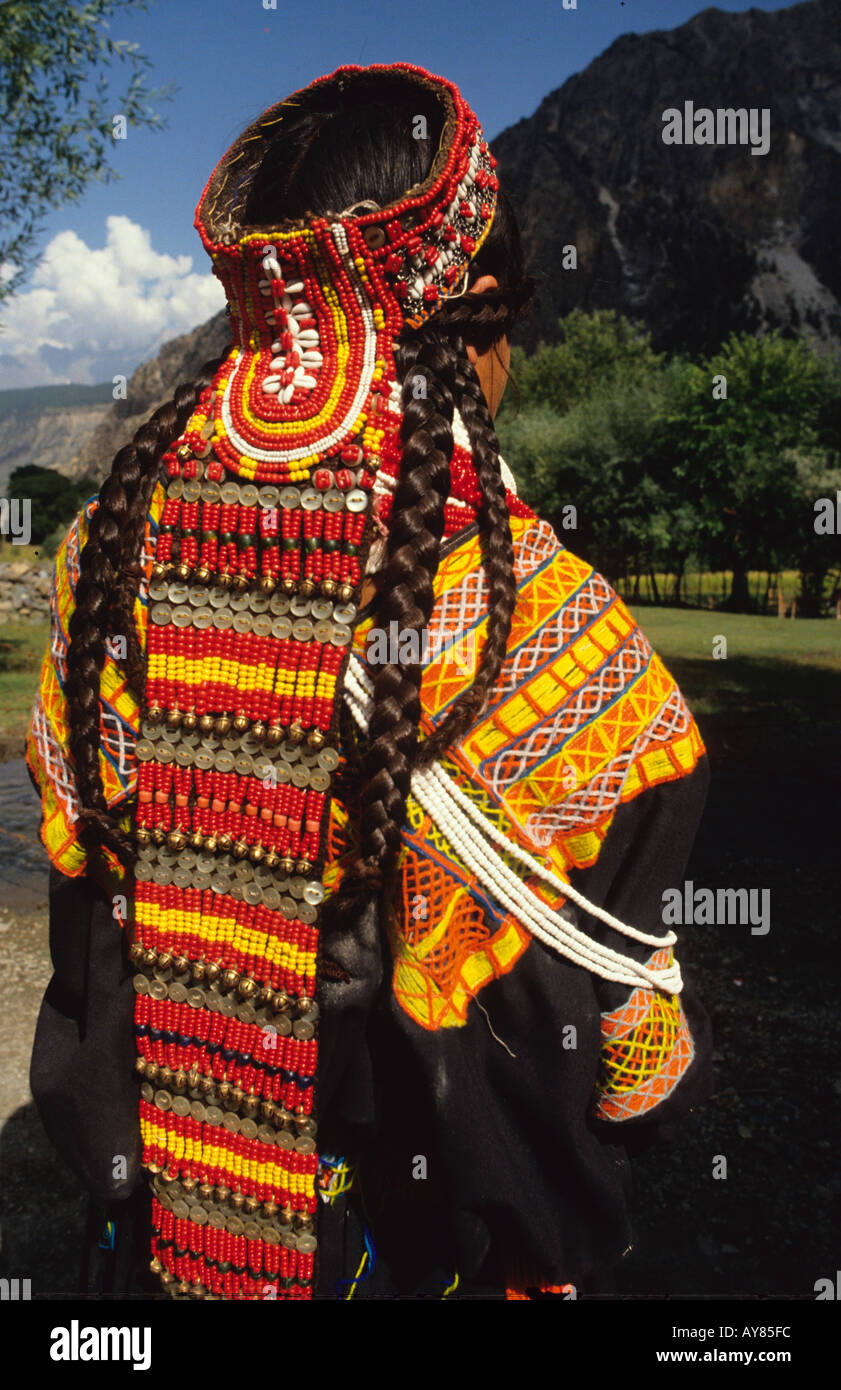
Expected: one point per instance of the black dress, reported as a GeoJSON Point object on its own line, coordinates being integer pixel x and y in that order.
{"type": "Point", "coordinates": [467, 1157]}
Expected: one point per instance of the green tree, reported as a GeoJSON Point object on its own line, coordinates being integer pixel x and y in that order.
{"type": "Point", "coordinates": [561, 374]}
{"type": "Point", "coordinates": [597, 457]}
{"type": "Point", "coordinates": [57, 113]}
{"type": "Point", "coordinates": [733, 456]}
{"type": "Point", "coordinates": [54, 499]}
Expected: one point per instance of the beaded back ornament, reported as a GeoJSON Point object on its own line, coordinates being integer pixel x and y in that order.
{"type": "Point", "coordinates": [258, 564]}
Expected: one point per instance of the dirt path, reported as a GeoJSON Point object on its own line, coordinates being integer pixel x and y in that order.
{"type": "Point", "coordinates": [42, 1207]}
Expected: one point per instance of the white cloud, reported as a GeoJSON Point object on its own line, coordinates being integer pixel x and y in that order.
{"type": "Point", "coordinates": [92, 313]}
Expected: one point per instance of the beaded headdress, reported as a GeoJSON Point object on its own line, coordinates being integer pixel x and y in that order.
{"type": "Point", "coordinates": [254, 581]}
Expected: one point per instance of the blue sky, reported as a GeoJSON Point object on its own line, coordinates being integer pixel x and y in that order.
{"type": "Point", "coordinates": [124, 268]}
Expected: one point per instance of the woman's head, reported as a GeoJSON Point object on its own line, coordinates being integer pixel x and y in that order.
{"type": "Point", "coordinates": [369, 139]}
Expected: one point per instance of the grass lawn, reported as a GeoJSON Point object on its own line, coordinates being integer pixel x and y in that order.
{"type": "Point", "coordinates": [22, 647]}
{"type": "Point", "coordinates": [777, 693]}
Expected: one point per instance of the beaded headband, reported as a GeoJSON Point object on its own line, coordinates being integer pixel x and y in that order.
{"type": "Point", "coordinates": [261, 527]}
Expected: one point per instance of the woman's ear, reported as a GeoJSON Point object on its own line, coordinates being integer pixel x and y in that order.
{"type": "Point", "coordinates": [484, 283]}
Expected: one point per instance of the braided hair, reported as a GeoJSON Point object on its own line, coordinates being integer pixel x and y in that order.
{"type": "Point", "coordinates": [342, 142]}
{"type": "Point", "coordinates": [109, 571]}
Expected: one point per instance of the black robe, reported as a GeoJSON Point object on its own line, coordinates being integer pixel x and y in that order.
{"type": "Point", "coordinates": [468, 1157]}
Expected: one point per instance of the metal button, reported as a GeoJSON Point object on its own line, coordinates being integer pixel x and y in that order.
{"type": "Point", "coordinates": [230, 494]}
{"type": "Point", "coordinates": [323, 631]}
{"type": "Point", "coordinates": [307, 1243]}
{"type": "Point", "coordinates": [198, 595]}
{"type": "Point", "coordinates": [184, 756]}
{"type": "Point", "coordinates": [203, 759]}
{"type": "Point", "coordinates": [180, 1106]}
{"type": "Point", "coordinates": [239, 602]}
{"type": "Point", "coordinates": [300, 776]}
{"type": "Point", "coordinates": [140, 982]}
{"type": "Point", "coordinates": [231, 1122]}
{"type": "Point", "coordinates": [249, 495]}
{"type": "Point", "coordinates": [165, 752]}
{"type": "Point", "coordinates": [279, 604]}
{"type": "Point", "coordinates": [300, 607]}
{"type": "Point", "coordinates": [198, 1111]}
{"type": "Point", "coordinates": [158, 590]}
{"type": "Point", "coordinates": [345, 613]}
{"type": "Point", "coordinates": [178, 592]}
{"type": "Point", "coordinates": [192, 490]}
{"type": "Point", "coordinates": [224, 761]}
{"type": "Point", "coordinates": [195, 998]}
{"type": "Point", "coordinates": [163, 1100]}
{"type": "Point", "coordinates": [289, 498]}
{"type": "Point", "coordinates": [321, 608]}
{"type": "Point", "coordinates": [268, 496]}
{"type": "Point", "coordinates": [328, 758]}
{"type": "Point", "coordinates": [302, 630]}
{"type": "Point", "coordinates": [314, 892]}
{"type": "Point", "coordinates": [217, 596]}
{"type": "Point", "coordinates": [271, 899]}
{"type": "Point", "coordinates": [223, 619]}
{"type": "Point", "coordinates": [249, 1129]}
{"type": "Point", "coordinates": [213, 1115]}
{"type": "Point", "coordinates": [178, 992]}
{"type": "Point", "coordinates": [160, 614]}
{"type": "Point", "coordinates": [243, 622]}
{"type": "Point", "coordinates": [334, 500]}
{"type": "Point", "coordinates": [341, 636]}
{"type": "Point", "coordinates": [252, 893]}
{"type": "Point", "coordinates": [356, 500]}
{"type": "Point", "coordinates": [145, 750]}
{"type": "Point", "coordinates": [183, 616]}
{"type": "Point", "coordinates": [203, 618]}
{"type": "Point", "coordinates": [175, 487]}
{"type": "Point", "coordinates": [281, 629]}
{"type": "Point", "coordinates": [307, 914]}
{"type": "Point", "coordinates": [211, 491]}
{"type": "Point", "coordinates": [310, 499]}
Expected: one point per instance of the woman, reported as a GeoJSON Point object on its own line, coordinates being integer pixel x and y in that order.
{"type": "Point", "coordinates": [341, 736]}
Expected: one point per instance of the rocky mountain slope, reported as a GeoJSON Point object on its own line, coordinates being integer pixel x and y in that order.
{"type": "Point", "coordinates": [693, 240]}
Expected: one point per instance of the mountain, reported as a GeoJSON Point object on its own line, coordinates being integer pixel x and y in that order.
{"type": "Point", "coordinates": [48, 424]}
{"type": "Point", "coordinates": [695, 241]}
{"type": "Point", "coordinates": [152, 383]}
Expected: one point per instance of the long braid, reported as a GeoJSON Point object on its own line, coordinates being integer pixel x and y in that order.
{"type": "Point", "coordinates": [407, 596]}
{"type": "Point", "coordinates": [497, 555]}
{"type": "Point", "coordinates": [108, 573]}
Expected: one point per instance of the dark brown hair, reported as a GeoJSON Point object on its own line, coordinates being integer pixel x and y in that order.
{"type": "Point", "coordinates": [342, 143]}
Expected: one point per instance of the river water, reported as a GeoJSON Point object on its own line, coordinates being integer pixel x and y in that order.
{"type": "Point", "coordinates": [23, 859]}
